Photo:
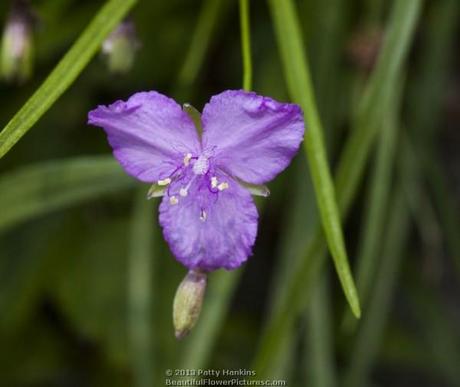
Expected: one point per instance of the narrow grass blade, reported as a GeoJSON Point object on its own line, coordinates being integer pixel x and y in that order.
{"type": "Point", "coordinates": [351, 165]}
{"type": "Point", "coordinates": [430, 78]}
{"type": "Point", "coordinates": [422, 209]}
{"type": "Point", "coordinates": [140, 291]}
{"type": "Point", "coordinates": [447, 206]}
{"type": "Point", "coordinates": [65, 73]}
{"type": "Point", "coordinates": [381, 86]}
{"type": "Point", "coordinates": [327, 36]}
{"type": "Point", "coordinates": [379, 190]}
{"type": "Point", "coordinates": [208, 21]}
{"type": "Point", "coordinates": [320, 353]}
{"type": "Point", "coordinates": [246, 44]}
{"type": "Point", "coordinates": [35, 190]}
{"type": "Point", "coordinates": [300, 218]}
{"type": "Point", "coordinates": [371, 330]}
{"type": "Point", "coordinates": [299, 84]}
{"type": "Point", "coordinates": [365, 349]}
{"type": "Point", "coordinates": [425, 108]}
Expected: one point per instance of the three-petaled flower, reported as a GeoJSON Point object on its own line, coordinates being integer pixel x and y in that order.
{"type": "Point", "coordinates": [207, 213]}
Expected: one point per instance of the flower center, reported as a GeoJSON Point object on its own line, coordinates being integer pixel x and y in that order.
{"type": "Point", "coordinates": [201, 165]}
{"type": "Point", "coordinates": [193, 180]}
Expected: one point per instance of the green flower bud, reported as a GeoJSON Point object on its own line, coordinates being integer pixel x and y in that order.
{"type": "Point", "coordinates": [188, 301]}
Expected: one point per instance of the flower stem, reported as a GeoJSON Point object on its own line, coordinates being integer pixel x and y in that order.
{"type": "Point", "coordinates": [246, 44]}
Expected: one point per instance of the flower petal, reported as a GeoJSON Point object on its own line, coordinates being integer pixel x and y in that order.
{"type": "Point", "coordinates": [253, 137]}
{"type": "Point", "coordinates": [208, 230]}
{"type": "Point", "coordinates": [149, 134]}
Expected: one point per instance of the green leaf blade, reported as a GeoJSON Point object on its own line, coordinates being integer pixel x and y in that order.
{"type": "Point", "coordinates": [300, 87]}
{"type": "Point", "coordinates": [400, 32]}
{"type": "Point", "coordinates": [38, 189]}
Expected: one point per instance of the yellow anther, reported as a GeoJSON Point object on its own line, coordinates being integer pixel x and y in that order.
{"type": "Point", "coordinates": [187, 159]}
{"type": "Point", "coordinates": [222, 186]}
{"type": "Point", "coordinates": [164, 181]}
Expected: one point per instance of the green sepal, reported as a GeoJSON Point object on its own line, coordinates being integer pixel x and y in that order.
{"type": "Point", "coordinates": [155, 191]}
{"type": "Point", "coordinates": [195, 115]}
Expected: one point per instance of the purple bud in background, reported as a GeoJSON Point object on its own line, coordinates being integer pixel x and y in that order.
{"type": "Point", "coordinates": [121, 46]}
{"type": "Point", "coordinates": [17, 42]}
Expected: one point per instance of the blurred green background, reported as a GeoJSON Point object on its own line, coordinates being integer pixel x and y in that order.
{"type": "Point", "coordinates": [87, 282]}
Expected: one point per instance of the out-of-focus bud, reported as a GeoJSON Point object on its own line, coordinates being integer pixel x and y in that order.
{"type": "Point", "coordinates": [188, 301]}
{"type": "Point", "coordinates": [363, 48]}
{"type": "Point", "coordinates": [17, 43]}
{"type": "Point", "coordinates": [121, 46]}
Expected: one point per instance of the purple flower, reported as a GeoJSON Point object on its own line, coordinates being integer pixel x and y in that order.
{"type": "Point", "coordinates": [207, 213]}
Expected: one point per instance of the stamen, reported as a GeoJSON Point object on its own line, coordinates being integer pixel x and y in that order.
{"type": "Point", "coordinates": [214, 182]}
{"type": "Point", "coordinates": [222, 186]}
{"type": "Point", "coordinates": [187, 159]}
{"type": "Point", "coordinates": [183, 192]}
{"type": "Point", "coordinates": [173, 200]}
{"type": "Point", "coordinates": [203, 215]}
{"type": "Point", "coordinates": [164, 181]}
